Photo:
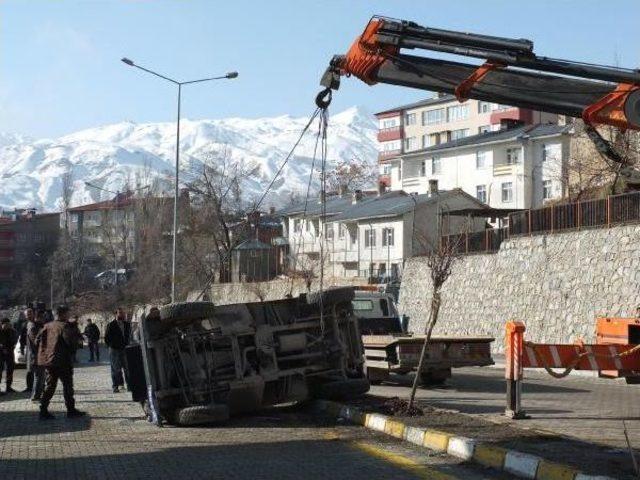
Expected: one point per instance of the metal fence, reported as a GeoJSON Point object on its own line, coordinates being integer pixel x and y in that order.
{"type": "Point", "coordinates": [488, 240]}
{"type": "Point", "coordinates": [605, 212]}
{"type": "Point", "coordinates": [600, 213]}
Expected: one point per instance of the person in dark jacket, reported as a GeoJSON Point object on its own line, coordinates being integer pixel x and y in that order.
{"type": "Point", "coordinates": [117, 337]}
{"type": "Point", "coordinates": [92, 334]}
{"type": "Point", "coordinates": [33, 329]}
{"type": "Point", "coordinates": [8, 341]}
{"type": "Point", "coordinates": [56, 343]}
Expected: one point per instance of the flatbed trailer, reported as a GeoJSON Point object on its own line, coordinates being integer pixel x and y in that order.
{"type": "Point", "coordinates": [400, 353]}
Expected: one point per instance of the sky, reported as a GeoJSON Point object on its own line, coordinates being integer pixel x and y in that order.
{"type": "Point", "coordinates": [60, 68]}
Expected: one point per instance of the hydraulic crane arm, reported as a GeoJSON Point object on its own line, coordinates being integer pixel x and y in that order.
{"type": "Point", "coordinates": [511, 73]}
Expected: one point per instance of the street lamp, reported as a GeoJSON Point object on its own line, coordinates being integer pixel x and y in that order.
{"type": "Point", "coordinates": [229, 75]}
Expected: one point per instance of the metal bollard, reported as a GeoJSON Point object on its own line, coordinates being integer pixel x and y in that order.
{"type": "Point", "coordinates": [514, 339]}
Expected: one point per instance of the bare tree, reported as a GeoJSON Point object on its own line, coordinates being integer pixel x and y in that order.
{"type": "Point", "coordinates": [356, 174]}
{"type": "Point", "coordinates": [440, 256]}
{"type": "Point", "coordinates": [219, 211]}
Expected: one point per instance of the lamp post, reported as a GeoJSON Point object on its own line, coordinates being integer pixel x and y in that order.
{"type": "Point", "coordinates": [229, 75]}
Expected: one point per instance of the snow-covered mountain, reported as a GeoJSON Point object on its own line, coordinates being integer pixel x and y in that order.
{"type": "Point", "coordinates": [113, 156]}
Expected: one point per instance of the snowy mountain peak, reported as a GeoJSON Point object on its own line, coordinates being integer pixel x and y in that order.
{"type": "Point", "coordinates": [112, 156]}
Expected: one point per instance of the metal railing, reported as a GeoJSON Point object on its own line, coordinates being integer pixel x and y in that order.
{"type": "Point", "coordinates": [485, 241]}
{"type": "Point", "coordinates": [600, 213]}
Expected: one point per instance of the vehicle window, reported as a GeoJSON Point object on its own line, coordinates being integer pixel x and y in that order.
{"type": "Point", "coordinates": [385, 307]}
{"type": "Point", "coordinates": [362, 305]}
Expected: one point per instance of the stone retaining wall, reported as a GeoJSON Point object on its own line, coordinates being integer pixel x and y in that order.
{"type": "Point", "coordinates": [556, 284]}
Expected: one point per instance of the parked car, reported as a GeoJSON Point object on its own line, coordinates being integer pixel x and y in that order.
{"type": "Point", "coordinates": [199, 363]}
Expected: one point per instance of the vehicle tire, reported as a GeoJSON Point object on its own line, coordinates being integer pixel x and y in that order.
{"type": "Point", "coordinates": [201, 415]}
{"type": "Point", "coordinates": [376, 375]}
{"type": "Point", "coordinates": [331, 296]}
{"type": "Point", "coordinates": [435, 377]}
{"type": "Point", "coordinates": [342, 389]}
{"type": "Point", "coordinates": [186, 311]}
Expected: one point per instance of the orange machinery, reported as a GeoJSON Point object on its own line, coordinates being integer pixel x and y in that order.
{"type": "Point", "coordinates": [619, 331]}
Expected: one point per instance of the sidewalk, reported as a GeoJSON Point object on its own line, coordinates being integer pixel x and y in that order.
{"type": "Point", "coordinates": [589, 411]}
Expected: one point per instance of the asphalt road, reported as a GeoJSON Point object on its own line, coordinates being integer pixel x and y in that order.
{"type": "Point", "coordinates": [115, 442]}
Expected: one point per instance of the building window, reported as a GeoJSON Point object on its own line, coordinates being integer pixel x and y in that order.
{"type": "Point", "coordinates": [387, 237]}
{"type": "Point", "coordinates": [297, 225]}
{"type": "Point", "coordinates": [513, 156]}
{"type": "Point", "coordinates": [433, 117]}
{"type": "Point", "coordinates": [316, 226]}
{"type": "Point", "coordinates": [485, 107]}
{"type": "Point", "coordinates": [369, 238]}
{"type": "Point", "coordinates": [390, 146]}
{"type": "Point", "coordinates": [460, 133]}
{"type": "Point", "coordinates": [546, 190]}
{"type": "Point", "coordinates": [427, 140]}
{"type": "Point", "coordinates": [423, 168]}
{"type": "Point", "coordinates": [410, 143]}
{"type": "Point", "coordinates": [507, 192]}
{"type": "Point", "coordinates": [547, 152]}
{"type": "Point", "coordinates": [386, 169]}
{"type": "Point", "coordinates": [458, 112]}
{"type": "Point", "coordinates": [484, 128]}
{"type": "Point", "coordinates": [436, 166]}
{"type": "Point", "coordinates": [341, 229]}
{"type": "Point", "coordinates": [481, 159]}
{"type": "Point", "coordinates": [481, 193]}
{"type": "Point", "coordinates": [328, 232]}
{"type": "Point", "coordinates": [389, 123]}
{"type": "Point", "coordinates": [410, 119]}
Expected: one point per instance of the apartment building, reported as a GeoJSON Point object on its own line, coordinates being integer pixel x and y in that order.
{"type": "Point", "coordinates": [27, 240]}
{"type": "Point", "coordinates": [372, 236]}
{"type": "Point", "coordinates": [443, 118]}
{"type": "Point", "coordinates": [521, 167]}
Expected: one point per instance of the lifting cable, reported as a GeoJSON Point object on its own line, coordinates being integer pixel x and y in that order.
{"type": "Point", "coordinates": [323, 100]}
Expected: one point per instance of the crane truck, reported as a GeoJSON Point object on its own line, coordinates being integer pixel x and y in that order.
{"type": "Point", "coordinates": [512, 74]}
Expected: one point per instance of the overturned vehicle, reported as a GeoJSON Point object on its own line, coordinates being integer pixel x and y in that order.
{"type": "Point", "coordinates": [200, 363]}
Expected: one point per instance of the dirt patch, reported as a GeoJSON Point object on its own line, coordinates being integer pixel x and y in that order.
{"type": "Point", "coordinates": [587, 457]}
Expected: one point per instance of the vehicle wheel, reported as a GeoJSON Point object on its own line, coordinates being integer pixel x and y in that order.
{"type": "Point", "coordinates": [201, 414]}
{"type": "Point", "coordinates": [187, 311]}
{"type": "Point", "coordinates": [342, 389]}
{"type": "Point", "coordinates": [331, 296]}
{"type": "Point", "coordinates": [435, 377]}
{"type": "Point", "coordinates": [376, 375]}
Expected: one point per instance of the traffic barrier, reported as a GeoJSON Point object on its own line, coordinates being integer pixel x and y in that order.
{"type": "Point", "coordinates": [579, 356]}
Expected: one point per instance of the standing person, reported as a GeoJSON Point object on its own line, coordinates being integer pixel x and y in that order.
{"type": "Point", "coordinates": [56, 343]}
{"type": "Point", "coordinates": [92, 334]}
{"type": "Point", "coordinates": [33, 329]}
{"type": "Point", "coordinates": [117, 337]}
{"type": "Point", "coordinates": [29, 313]}
{"type": "Point", "coordinates": [75, 324]}
{"type": "Point", "coordinates": [8, 341]}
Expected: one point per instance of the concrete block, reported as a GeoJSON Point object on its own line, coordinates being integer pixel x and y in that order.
{"type": "Point", "coordinates": [489, 455]}
{"type": "Point", "coordinates": [414, 435]}
{"type": "Point", "coordinates": [435, 440]}
{"type": "Point", "coordinates": [394, 428]}
{"type": "Point", "coordinates": [554, 471]}
{"type": "Point", "coordinates": [521, 464]}
{"type": "Point", "coordinates": [376, 422]}
{"type": "Point", "coordinates": [461, 447]}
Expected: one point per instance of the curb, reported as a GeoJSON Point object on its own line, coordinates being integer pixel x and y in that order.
{"type": "Point", "coordinates": [516, 463]}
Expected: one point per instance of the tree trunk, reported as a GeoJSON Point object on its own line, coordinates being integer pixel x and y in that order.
{"type": "Point", "coordinates": [433, 318]}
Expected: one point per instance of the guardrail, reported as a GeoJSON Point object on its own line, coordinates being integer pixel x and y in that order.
{"type": "Point", "coordinates": [599, 213]}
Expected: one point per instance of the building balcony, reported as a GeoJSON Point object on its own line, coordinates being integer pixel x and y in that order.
{"type": "Point", "coordinates": [345, 256]}
{"type": "Point", "coordinates": [389, 134]}
{"type": "Point", "coordinates": [388, 154]}
{"type": "Point", "coordinates": [523, 115]}
{"type": "Point", "coordinates": [503, 169]}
